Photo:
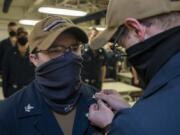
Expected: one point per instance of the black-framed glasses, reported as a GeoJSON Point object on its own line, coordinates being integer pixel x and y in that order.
{"type": "Point", "coordinates": [118, 35]}
{"type": "Point", "coordinates": [116, 39]}
{"type": "Point", "coordinates": [60, 49]}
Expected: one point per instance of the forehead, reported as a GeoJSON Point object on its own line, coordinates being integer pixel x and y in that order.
{"type": "Point", "coordinates": [12, 27]}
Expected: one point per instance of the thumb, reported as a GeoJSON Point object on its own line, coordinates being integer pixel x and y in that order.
{"type": "Point", "coordinates": [92, 108]}
{"type": "Point", "coordinates": [101, 104]}
{"type": "Point", "coordinates": [101, 96]}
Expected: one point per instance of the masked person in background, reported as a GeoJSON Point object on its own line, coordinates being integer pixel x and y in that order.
{"type": "Point", "coordinates": [150, 31]}
{"type": "Point", "coordinates": [8, 42]}
{"type": "Point", "coordinates": [94, 64]}
{"type": "Point", "coordinates": [56, 102]}
{"type": "Point", "coordinates": [18, 71]}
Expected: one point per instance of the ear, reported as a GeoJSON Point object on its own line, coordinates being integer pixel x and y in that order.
{"type": "Point", "coordinates": [34, 59]}
{"type": "Point", "coordinates": [137, 27]}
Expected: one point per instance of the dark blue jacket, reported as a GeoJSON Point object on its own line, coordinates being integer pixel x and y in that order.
{"type": "Point", "coordinates": [5, 45]}
{"type": "Point", "coordinates": [16, 118]}
{"type": "Point", "coordinates": [158, 110]}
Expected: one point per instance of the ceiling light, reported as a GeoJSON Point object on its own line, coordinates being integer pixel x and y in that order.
{"type": "Point", "coordinates": [98, 28]}
{"type": "Point", "coordinates": [60, 11]}
{"type": "Point", "coordinates": [28, 22]}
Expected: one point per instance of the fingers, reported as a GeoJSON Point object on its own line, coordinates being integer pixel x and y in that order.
{"type": "Point", "coordinates": [96, 107]}
{"type": "Point", "coordinates": [108, 92]}
{"type": "Point", "coordinates": [102, 96]}
{"type": "Point", "coordinates": [92, 108]}
{"type": "Point", "coordinates": [101, 104]}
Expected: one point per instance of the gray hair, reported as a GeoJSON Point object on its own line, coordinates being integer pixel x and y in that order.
{"type": "Point", "coordinates": [165, 21]}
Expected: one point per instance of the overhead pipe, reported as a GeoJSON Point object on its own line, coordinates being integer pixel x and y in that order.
{"type": "Point", "coordinates": [6, 6]}
{"type": "Point", "coordinates": [97, 16]}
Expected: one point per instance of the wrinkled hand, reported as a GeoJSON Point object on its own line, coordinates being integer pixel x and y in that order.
{"type": "Point", "coordinates": [100, 115]}
{"type": "Point", "coordinates": [113, 99]}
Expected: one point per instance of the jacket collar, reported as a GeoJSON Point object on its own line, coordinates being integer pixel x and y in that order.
{"type": "Point", "coordinates": [82, 123]}
{"type": "Point", "coordinates": [32, 105]}
{"type": "Point", "coordinates": [169, 71]}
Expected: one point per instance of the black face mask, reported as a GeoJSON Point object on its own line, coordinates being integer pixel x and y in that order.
{"type": "Point", "coordinates": [12, 34]}
{"type": "Point", "coordinates": [22, 40]}
{"type": "Point", "coordinates": [59, 82]}
{"type": "Point", "coordinates": [149, 56]}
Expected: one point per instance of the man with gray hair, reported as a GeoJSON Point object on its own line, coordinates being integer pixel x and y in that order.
{"type": "Point", "coordinates": [149, 30]}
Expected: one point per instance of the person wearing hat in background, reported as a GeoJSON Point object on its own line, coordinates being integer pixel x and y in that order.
{"type": "Point", "coordinates": [9, 42]}
{"type": "Point", "coordinates": [18, 71]}
{"type": "Point", "coordinates": [94, 64]}
{"type": "Point", "coordinates": [56, 102]}
{"type": "Point", "coordinates": [150, 31]}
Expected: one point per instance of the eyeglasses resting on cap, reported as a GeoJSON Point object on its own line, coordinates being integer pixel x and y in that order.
{"type": "Point", "coordinates": [118, 35]}
{"type": "Point", "coordinates": [116, 39]}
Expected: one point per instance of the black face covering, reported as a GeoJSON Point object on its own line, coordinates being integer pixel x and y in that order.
{"type": "Point", "coordinates": [59, 82]}
{"type": "Point", "coordinates": [12, 33]}
{"type": "Point", "coordinates": [22, 40]}
{"type": "Point", "coordinates": [149, 56]}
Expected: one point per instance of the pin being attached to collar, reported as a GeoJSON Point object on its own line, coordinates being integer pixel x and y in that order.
{"type": "Point", "coordinates": [94, 96]}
